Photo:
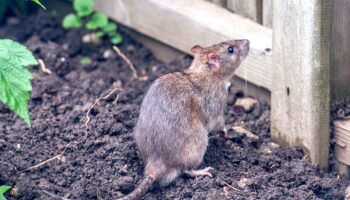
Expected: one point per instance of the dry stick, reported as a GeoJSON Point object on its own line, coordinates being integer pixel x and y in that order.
{"type": "Point", "coordinates": [126, 59]}
{"type": "Point", "coordinates": [43, 67]}
{"type": "Point", "coordinates": [86, 132]}
{"type": "Point", "coordinates": [230, 186]}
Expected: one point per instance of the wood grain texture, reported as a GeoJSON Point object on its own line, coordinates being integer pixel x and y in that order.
{"type": "Point", "coordinates": [301, 90]}
{"type": "Point", "coordinates": [185, 23]}
{"type": "Point", "coordinates": [267, 13]}
{"type": "Point", "coordinates": [251, 9]}
{"type": "Point", "coordinates": [340, 54]}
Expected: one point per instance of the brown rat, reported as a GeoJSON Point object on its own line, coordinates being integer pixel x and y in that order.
{"type": "Point", "coordinates": [180, 109]}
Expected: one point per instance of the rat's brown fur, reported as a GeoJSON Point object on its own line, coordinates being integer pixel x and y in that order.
{"type": "Point", "coordinates": [180, 109]}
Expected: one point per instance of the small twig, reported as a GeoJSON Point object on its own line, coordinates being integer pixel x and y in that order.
{"type": "Point", "coordinates": [230, 186]}
{"type": "Point", "coordinates": [53, 195]}
{"type": "Point", "coordinates": [126, 59]}
{"type": "Point", "coordinates": [85, 131]}
{"type": "Point", "coordinates": [42, 163]}
{"type": "Point", "coordinates": [43, 67]}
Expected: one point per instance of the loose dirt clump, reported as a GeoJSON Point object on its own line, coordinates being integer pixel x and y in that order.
{"type": "Point", "coordinates": [106, 165]}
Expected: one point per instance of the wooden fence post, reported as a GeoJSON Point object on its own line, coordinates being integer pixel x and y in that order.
{"type": "Point", "coordinates": [340, 64]}
{"type": "Point", "coordinates": [301, 82]}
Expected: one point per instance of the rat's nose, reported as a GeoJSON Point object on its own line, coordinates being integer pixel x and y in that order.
{"type": "Point", "coordinates": [244, 43]}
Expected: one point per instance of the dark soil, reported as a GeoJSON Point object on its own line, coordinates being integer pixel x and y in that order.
{"type": "Point", "coordinates": [106, 165]}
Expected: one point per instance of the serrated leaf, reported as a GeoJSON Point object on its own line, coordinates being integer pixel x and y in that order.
{"type": "Point", "coordinates": [39, 3]}
{"type": "Point", "coordinates": [3, 189]}
{"type": "Point", "coordinates": [17, 53]}
{"type": "Point", "coordinates": [110, 27]}
{"type": "Point", "coordinates": [71, 21]}
{"type": "Point", "coordinates": [115, 38]}
{"type": "Point", "coordinates": [15, 78]}
{"type": "Point", "coordinates": [98, 20]}
{"type": "Point", "coordinates": [83, 7]}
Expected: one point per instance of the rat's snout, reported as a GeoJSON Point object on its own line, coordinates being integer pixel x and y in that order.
{"type": "Point", "coordinates": [244, 48]}
{"type": "Point", "coordinates": [244, 44]}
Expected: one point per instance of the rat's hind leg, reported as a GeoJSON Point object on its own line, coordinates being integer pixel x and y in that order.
{"type": "Point", "coordinates": [169, 176]}
{"type": "Point", "coordinates": [199, 172]}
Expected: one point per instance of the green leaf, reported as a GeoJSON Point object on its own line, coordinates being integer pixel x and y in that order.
{"type": "Point", "coordinates": [110, 27]}
{"type": "Point", "coordinates": [71, 21]}
{"type": "Point", "coordinates": [85, 60]}
{"type": "Point", "coordinates": [39, 3]}
{"type": "Point", "coordinates": [3, 189]}
{"type": "Point", "coordinates": [116, 38]}
{"type": "Point", "coordinates": [83, 7]}
{"type": "Point", "coordinates": [15, 78]}
{"type": "Point", "coordinates": [98, 20]}
{"type": "Point", "coordinates": [17, 53]}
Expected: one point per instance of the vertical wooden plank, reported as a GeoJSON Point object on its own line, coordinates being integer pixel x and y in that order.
{"type": "Point", "coordinates": [301, 88]}
{"type": "Point", "coordinates": [340, 54]}
{"type": "Point", "coordinates": [251, 9]}
{"type": "Point", "coordinates": [267, 13]}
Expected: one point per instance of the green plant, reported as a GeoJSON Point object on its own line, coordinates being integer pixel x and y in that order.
{"type": "Point", "coordinates": [39, 3]}
{"type": "Point", "coordinates": [15, 78]}
{"type": "Point", "coordinates": [3, 189]}
{"type": "Point", "coordinates": [93, 21]}
{"type": "Point", "coordinates": [85, 60]}
{"type": "Point", "coordinates": [20, 6]}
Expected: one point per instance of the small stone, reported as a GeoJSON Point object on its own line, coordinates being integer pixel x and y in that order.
{"type": "Point", "coordinates": [245, 104]}
{"type": "Point", "coordinates": [108, 54]}
{"type": "Point", "coordinates": [243, 183]}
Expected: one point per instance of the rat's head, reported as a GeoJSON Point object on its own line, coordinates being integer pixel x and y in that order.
{"type": "Point", "coordinates": [223, 58]}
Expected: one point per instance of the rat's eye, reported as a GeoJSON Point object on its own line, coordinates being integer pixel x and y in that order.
{"type": "Point", "coordinates": [230, 50]}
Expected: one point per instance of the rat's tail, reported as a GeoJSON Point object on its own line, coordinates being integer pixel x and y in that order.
{"type": "Point", "coordinates": [141, 189]}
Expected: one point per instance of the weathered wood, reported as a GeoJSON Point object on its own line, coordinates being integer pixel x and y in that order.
{"type": "Point", "coordinates": [343, 170]}
{"type": "Point", "coordinates": [184, 23]}
{"type": "Point", "coordinates": [221, 3]}
{"type": "Point", "coordinates": [341, 132]}
{"type": "Point", "coordinates": [301, 89]}
{"type": "Point", "coordinates": [251, 9]}
{"type": "Point", "coordinates": [340, 54]}
{"type": "Point", "coordinates": [267, 13]}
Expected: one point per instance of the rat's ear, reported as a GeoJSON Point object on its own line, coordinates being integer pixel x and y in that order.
{"type": "Point", "coordinates": [213, 61]}
{"type": "Point", "coordinates": [196, 49]}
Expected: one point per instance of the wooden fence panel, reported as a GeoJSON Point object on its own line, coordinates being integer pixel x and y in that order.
{"type": "Point", "coordinates": [340, 66]}
{"type": "Point", "coordinates": [267, 13]}
{"type": "Point", "coordinates": [251, 9]}
{"type": "Point", "coordinates": [301, 89]}
{"type": "Point", "coordinates": [221, 3]}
